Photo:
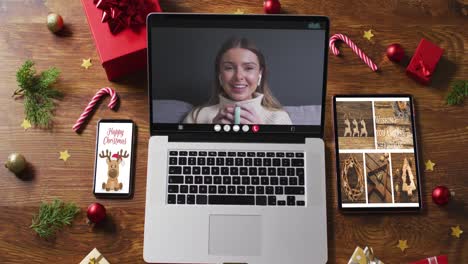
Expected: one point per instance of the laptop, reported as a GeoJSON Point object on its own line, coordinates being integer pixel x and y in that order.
{"type": "Point", "coordinates": [236, 163]}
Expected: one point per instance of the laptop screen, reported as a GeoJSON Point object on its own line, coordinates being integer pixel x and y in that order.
{"type": "Point", "coordinates": [237, 74]}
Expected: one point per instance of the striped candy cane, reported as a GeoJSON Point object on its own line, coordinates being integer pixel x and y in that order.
{"type": "Point", "coordinates": [353, 46]}
{"type": "Point", "coordinates": [96, 98]}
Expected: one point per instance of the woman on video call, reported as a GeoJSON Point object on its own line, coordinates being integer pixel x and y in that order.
{"type": "Point", "coordinates": [240, 73]}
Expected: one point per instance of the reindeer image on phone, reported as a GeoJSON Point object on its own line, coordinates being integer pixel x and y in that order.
{"type": "Point", "coordinates": [113, 169]}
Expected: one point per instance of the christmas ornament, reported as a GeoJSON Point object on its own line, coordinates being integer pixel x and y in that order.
{"type": "Point", "coordinates": [86, 63]}
{"type": "Point", "coordinates": [430, 165]}
{"type": "Point", "coordinates": [402, 244]}
{"type": "Point", "coordinates": [54, 22]}
{"type": "Point", "coordinates": [456, 231]}
{"type": "Point", "coordinates": [64, 155]}
{"type": "Point", "coordinates": [272, 6]}
{"type": "Point", "coordinates": [395, 52]}
{"type": "Point", "coordinates": [89, 108]}
{"type": "Point", "coordinates": [15, 163]}
{"type": "Point", "coordinates": [368, 34]}
{"type": "Point", "coordinates": [37, 94]}
{"type": "Point", "coordinates": [441, 195]}
{"type": "Point", "coordinates": [353, 46]}
{"type": "Point", "coordinates": [52, 217]}
{"type": "Point", "coordinates": [26, 124]}
{"type": "Point", "coordinates": [96, 212]}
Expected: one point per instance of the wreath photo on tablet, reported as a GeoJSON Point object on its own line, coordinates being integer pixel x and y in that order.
{"type": "Point", "coordinates": [377, 165]}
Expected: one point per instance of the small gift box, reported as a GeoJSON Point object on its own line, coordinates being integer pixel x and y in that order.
{"type": "Point", "coordinates": [94, 257]}
{"type": "Point", "coordinates": [424, 61]}
{"type": "Point", "coordinates": [119, 32]}
{"type": "Point", "coordinates": [364, 256]}
{"type": "Point", "coordinates": [433, 260]}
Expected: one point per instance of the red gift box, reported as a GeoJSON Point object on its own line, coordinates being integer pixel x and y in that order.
{"type": "Point", "coordinates": [433, 260]}
{"type": "Point", "coordinates": [124, 50]}
{"type": "Point", "coordinates": [424, 61]}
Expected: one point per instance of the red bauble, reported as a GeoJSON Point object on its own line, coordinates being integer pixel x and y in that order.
{"type": "Point", "coordinates": [54, 22]}
{"type": "Point", "coordinates": [96, 212]}
{"type": "Point", "coordinates": [395, 52]}
{"type": "Point", "coordinates": [272, 6]}
{"type": "Point", "coordinates": [441, 195]}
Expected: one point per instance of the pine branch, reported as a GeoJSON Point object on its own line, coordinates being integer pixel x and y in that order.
{"type": "Point", "coordinates": [37, 93]}
{"type": "Point", "coordinates": [458, 93]}
{"type": "Point", "coordinates": [52, 217]}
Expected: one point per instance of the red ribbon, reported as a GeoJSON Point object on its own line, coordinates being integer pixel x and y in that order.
{"type": "Point", "coordinates": [423, 69]}
{"type": "Point", "coordinates": [120, 14]}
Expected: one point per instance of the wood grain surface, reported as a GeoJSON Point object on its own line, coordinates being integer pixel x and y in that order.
{"type": "Point", "coordinates": [442, 129]}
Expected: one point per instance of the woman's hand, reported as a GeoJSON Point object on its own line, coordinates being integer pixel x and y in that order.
{"type": "Point", "coordinates": [225, 115]}
{"type": "Point", "coordinates": [248, 115]}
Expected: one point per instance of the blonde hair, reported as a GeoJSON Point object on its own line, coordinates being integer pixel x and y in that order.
{"type": "Point", "coordinates": [268, 101]}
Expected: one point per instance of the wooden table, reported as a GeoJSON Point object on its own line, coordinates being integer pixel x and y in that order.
{"type": "Point", "coordinates": [443, 130]}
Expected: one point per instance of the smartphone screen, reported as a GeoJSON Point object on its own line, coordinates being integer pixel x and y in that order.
{"type": "Point", "coordinates": [377, 161]}
{"type": "Point", "coordinates": [113, 173]}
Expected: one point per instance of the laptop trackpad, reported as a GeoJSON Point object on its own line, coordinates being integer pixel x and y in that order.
{"type": "Point", "coordinates": [235, 235]}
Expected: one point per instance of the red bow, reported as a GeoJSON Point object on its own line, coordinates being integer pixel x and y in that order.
{"type": "Point", "coordinates": [120, 14]}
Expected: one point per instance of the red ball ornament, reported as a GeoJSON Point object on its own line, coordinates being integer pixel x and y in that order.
{"type": "Point", "coordinates": [96, 212]}
{"type": "Point", "coordinates": [441, 195]}
{"type": "Point", "coordinates": [272, 6]}
{"type": "Point", "coordinates": [54, 22]}
{"type": "Point", "coordinates": [395, 52]}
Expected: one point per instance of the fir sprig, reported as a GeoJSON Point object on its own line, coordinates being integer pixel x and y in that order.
{"type": "Point", "coordinates": [53, 216]}
{"type": "Point", "coordinates": [458, 93]}
{"type": "Point", "coordinates": [37, 93]}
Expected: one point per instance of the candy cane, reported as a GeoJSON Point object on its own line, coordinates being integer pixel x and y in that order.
{"type": "Point", "coordinates": [89, 108]}
{"type": "Point", "coordinates": [353, 46]}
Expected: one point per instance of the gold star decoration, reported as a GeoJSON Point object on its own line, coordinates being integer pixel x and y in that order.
{"type": "Point", "coordinates": [368, 34]}
{"type": "Point", "coordinates": [64, 155]}
{"type": "Point", "coordinates": [26, 124]}
{"type": "Point", "coordinates": [92, 261]}
{"type": "Point", "coordinates": [430, 165]}
{"type": "Point", "coordinates": [239, 12]}
{"type": "Point", "coordinates": [86, 63]}
{"type": "Point", "coordinates": [402, 244]}
{"type": "Point", "coordinates": [456, 231]}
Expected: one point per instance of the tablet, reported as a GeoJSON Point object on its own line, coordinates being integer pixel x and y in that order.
{"type": "Point", "coordinates": [376, 153]}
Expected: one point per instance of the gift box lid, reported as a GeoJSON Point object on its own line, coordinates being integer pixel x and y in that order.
{"type": "Point", "coordinates": [114, 46]}
{"type": "Point", "coordinates": [427, 53]}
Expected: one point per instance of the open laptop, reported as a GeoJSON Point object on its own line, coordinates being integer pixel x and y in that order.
{"type": "Point", "coordinates": [236, 166]}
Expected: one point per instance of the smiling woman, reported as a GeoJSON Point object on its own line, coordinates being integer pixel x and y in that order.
{"type": "Point", "coordinates": [240, 83]}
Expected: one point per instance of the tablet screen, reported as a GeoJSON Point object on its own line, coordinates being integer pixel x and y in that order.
{"type": "Point", "coordinates": [376, 154]}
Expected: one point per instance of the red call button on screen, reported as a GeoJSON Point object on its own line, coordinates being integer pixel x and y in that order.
{"type": "Point", "coordinates": [255, 128]}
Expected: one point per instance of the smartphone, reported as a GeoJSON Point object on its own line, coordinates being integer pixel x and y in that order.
{"type": "Point", "coordinates": [376, 153]}
{"type": "Point", "coordinates": [114, 161]}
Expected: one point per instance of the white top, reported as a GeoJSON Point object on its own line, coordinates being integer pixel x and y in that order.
{"type": "Point", "coordinates": [268, 117]}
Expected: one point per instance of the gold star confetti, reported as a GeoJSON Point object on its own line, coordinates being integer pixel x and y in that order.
{"type": "Point", "coordinates": [368, 34]}
{"type": "Point", "coordinates": [86, 63]}
{"type": "Point", "coordinates": [239, 12]}
{"type": "Point", "coordinates": [456, 231]}
{"type": "Point", "coordinates": [402, 244]}
{"type": "Point", "coordinates": [430, 165]}
{"type": "Point", "coordinates": [26, 124]}
{"type": "Point", "coordinates": [64, 155]}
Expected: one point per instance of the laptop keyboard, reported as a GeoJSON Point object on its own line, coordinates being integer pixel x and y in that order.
{"type": "Point", "coordinates": [236, 178]}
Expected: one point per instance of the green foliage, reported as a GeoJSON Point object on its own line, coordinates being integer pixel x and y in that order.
{"type": "Point", "coordinates": [52, 217]}
{"type": "Point", "coordinates": [37, 93]}
{"type": "Point", "coordinates": [458, 93]}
